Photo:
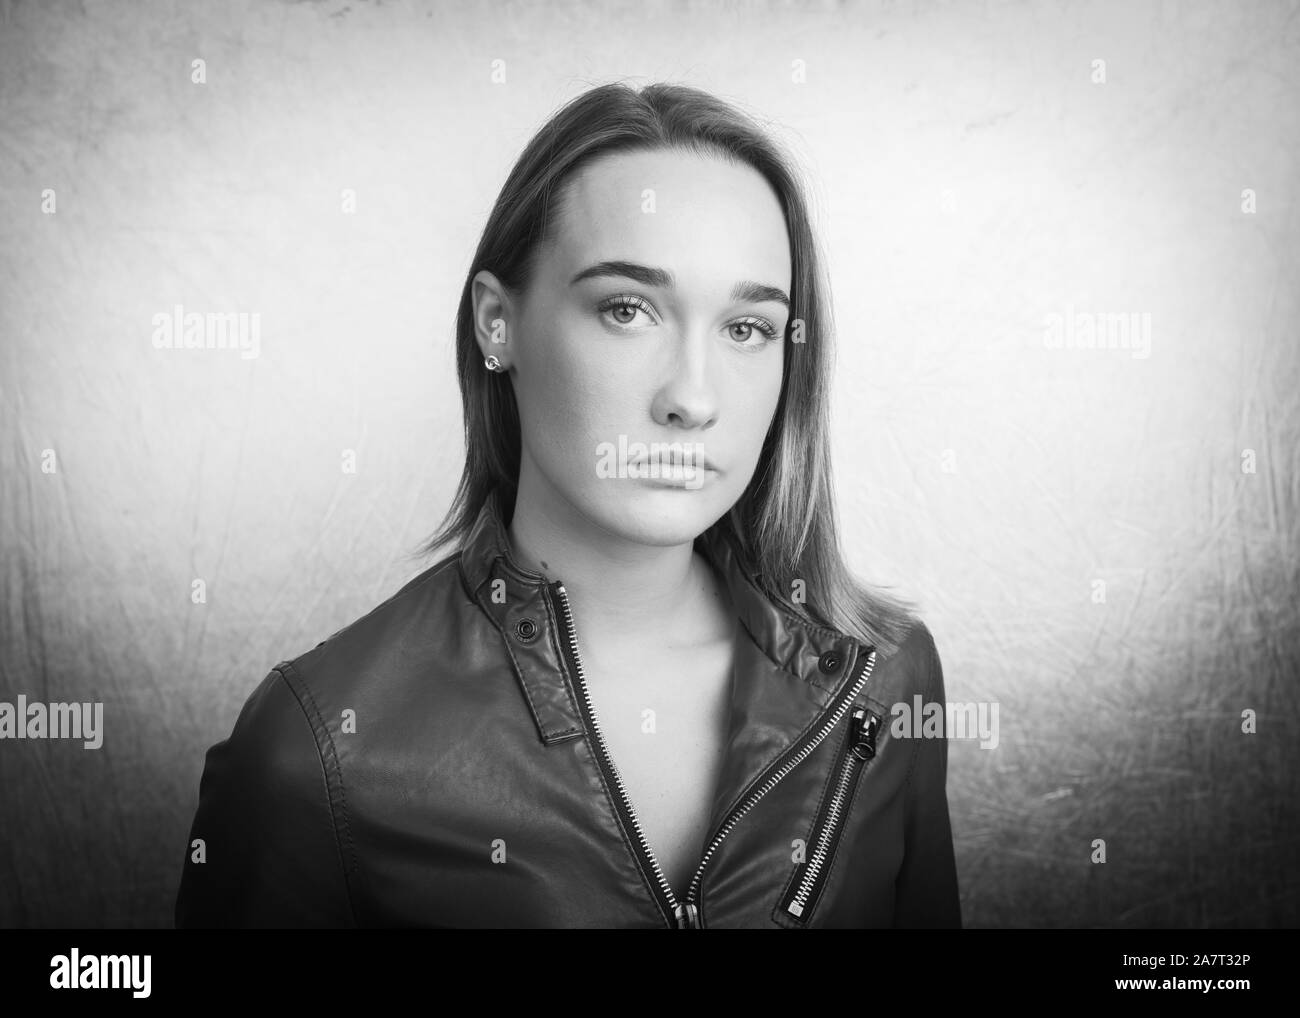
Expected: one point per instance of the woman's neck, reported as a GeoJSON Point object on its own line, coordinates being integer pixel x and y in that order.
{"type": "Point", "coordinates": [624, 594]}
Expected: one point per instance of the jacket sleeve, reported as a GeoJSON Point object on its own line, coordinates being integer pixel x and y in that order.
{"type": "Point", "coordinates": [925, 891]}
{"type": "Point", "coordinates": [270, 853]}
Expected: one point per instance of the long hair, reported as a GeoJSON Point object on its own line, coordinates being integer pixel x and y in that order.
{"type": "Point", "coordinates": [785, 522]}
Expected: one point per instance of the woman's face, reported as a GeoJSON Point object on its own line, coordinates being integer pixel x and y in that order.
{"type": "Point", "coordinates": [643, 335]}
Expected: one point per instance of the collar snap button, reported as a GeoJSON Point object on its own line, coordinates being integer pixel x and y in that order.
{"type": "Point", "coordinates": [829, 662]}
{"type": "Point", "coordinates": [526, 630]}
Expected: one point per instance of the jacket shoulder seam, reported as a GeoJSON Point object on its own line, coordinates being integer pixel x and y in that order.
{"type": "Point", "coordinates": [333, 773]}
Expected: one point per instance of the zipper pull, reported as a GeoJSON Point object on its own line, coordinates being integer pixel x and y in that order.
{"type": "Point", "coordinates": [688, 917]}
{"type": "Point", "coordinates": [862, 733]}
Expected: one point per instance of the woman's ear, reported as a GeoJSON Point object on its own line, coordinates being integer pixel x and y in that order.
{"type": "Point", "coordinates": [492, 313]}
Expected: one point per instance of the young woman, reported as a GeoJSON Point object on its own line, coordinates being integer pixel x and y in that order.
{"type": "Point", "coordinates": [644, 690]}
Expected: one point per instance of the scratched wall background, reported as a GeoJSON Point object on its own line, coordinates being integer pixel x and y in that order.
{"type": "Point", "coordinates": [976, 170]}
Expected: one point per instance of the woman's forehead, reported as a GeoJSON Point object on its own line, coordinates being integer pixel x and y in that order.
{"type": "Point", "coordinates": [689, 214]}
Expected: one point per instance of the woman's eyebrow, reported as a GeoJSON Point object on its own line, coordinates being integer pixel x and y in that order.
{"type": "Point", "coordinates": [746, 290]}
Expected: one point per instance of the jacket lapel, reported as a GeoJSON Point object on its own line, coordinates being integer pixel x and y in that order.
{"type": "Point", "coordinates": [786, 675]}
{"type": "Point", "coordinates": [516, 601]}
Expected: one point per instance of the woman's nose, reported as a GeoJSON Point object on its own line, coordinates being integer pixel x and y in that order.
{"type": "Point", "coordinates": [687, 397]}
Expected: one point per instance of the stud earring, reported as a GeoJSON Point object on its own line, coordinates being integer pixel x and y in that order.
{"type": "Point", "coordinates": [492, 364]}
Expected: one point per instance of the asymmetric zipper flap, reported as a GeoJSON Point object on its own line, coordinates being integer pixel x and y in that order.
{"type": "Point", "coordinates": [855, 754]}
{"type": "Point", "coordinates": [686, 915]}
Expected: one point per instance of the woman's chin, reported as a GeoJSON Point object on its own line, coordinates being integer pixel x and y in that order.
{"type": "Point", "coordinates": [663, 514]}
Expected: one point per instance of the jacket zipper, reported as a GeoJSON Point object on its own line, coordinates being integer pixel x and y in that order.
{"type": "Point", "coordinates": [857, 751]}
{"type": "Point", "coordinates": [686, 915]}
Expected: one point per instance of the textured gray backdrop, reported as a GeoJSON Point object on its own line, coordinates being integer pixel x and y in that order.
{"type": "Point", "coordinates": [977, 169]}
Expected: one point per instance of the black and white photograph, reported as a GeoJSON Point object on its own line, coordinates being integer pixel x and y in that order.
{"type": "Point", "coordinates": [630, 466]}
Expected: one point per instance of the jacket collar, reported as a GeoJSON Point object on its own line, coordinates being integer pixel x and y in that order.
{"type": "Point", "coordinates": [786, 671]}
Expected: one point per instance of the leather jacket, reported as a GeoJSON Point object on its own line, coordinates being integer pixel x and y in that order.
{"type": "Point", "coordinates": [436, 764]}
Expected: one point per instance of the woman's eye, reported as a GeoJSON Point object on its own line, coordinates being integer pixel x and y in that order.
{"type": "Point", "coordinates": [766, 331]}
{"type": "Point", "coordinates": [624, 309]}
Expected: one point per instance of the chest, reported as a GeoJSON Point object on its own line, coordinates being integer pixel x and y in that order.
{"type": "Point", "coordinates": [664, 721]}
